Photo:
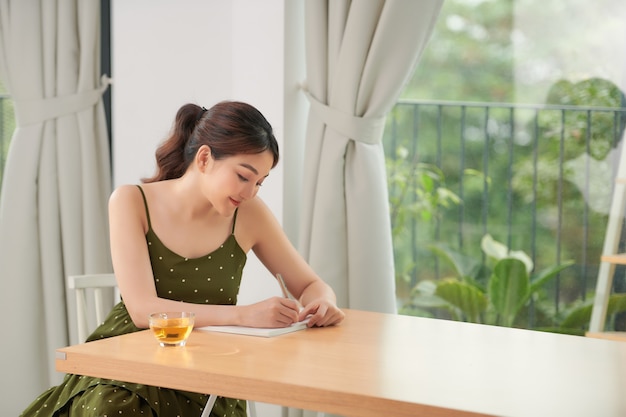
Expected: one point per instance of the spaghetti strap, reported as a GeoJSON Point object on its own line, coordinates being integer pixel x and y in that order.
{"type": "Point", "coordinates": [145, 203]}
{"type": "Point", "coordinates": [232, 232]}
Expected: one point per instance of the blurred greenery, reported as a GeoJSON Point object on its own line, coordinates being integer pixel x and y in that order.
{"type": "Point", "coordinates": [519, 173]}
{"type": "Point", "coordinates": [493, 289]}
{"type": "Point", "coordinates": [7, 126]}
{"type": "Point", "coordinates": [470, 54]}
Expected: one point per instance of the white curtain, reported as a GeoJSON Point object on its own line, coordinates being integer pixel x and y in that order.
{"type": "Point", "coordinates": [359, 55]}
{"type": "Point", "coordinates": [53, 206]}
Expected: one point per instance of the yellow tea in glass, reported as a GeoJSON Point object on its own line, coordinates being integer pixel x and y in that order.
{"type": "Point", "coordinates": [171, 328]}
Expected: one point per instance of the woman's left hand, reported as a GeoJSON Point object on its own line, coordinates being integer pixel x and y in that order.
{"type": "Point", "coordinates": [321, 312]}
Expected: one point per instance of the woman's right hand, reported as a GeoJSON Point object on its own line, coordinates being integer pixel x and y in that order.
{"type": "Point", "coordinates": [272, 312]}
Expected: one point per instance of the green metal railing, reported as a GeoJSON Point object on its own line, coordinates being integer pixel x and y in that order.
{"type": "Point", "coordinates": [538, 178]}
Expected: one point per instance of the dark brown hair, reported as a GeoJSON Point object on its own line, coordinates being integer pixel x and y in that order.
{"type": "Point", "coordinates": [228, 128]}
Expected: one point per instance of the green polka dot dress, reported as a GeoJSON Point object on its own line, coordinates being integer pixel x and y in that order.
{"type": "Point", "coordinates": [210, 279]}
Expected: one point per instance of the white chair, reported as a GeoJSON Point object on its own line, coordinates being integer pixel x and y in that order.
{"type": "Point", "coordinates": [105, 296]}
{"type": "Point", "coordinates": [99, 284]}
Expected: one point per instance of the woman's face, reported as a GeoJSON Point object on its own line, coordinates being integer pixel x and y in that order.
{"type": "Point", "coordinates": [232, 181]}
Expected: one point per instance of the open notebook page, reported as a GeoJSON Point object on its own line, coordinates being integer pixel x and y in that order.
{"type": "Point", "coordinates": [256, 331]}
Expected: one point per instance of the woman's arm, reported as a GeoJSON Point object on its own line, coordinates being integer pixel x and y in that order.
{"type": "Point", "coordinates": [276, 252]}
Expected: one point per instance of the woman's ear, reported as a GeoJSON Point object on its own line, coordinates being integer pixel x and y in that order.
{"type": "Point", "coordinates": [203, 157]}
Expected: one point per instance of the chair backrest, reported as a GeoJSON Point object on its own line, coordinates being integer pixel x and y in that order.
{"type": "Point", "coordinates": [105, 296]}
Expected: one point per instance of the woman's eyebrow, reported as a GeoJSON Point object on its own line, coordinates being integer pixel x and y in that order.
{"type": "Point", "coordinates": [250, 167]}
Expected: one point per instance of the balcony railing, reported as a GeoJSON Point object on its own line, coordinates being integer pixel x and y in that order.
{"type": "Point", "coordinates": [537, 178]}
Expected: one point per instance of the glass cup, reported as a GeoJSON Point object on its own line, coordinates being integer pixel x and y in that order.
{"type": "Point", "coordinates": [171, 328]}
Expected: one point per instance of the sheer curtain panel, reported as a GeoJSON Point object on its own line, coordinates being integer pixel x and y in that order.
{"type": "Point", "coordinates": [53, 207]}
{"type": "Point", "coordinates": [359, 56]}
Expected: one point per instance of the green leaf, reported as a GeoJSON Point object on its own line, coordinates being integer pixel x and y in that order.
{"type": "Point", "coordinates": [424, 295]}
{"type": "Point", "coordinates": [540, 278]}
{"type": "Point", "coordinates": [427, 182]}
{"type": "Point", "coordinates": [426, 287]}
{"type": "Point", "coordinates": [446, 197]}
{"type": "Point", "coordinates": [522, 256]}
{"type": "Point", "coordinates": [464, 266]}
{"type": "Point", "coordinates": [467, 298]}
{"type": "Point", "coordinates": [617, 304]}
{"type": "Point", "coordinates": [423, 298]}
{"type": "Point", "coordinates": [509, 288]}
{"type": "Point", "coordinates": [581, 316]}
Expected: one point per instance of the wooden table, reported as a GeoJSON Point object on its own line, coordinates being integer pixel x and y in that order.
{"type": "Point", "coordinates": [380, 365]}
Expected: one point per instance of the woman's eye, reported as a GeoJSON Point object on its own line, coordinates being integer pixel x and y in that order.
{"type": "Point", "coordinates": [242, 178]}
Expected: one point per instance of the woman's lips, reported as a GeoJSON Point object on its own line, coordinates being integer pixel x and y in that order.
{"type": "Point", "coordinates": [235, 202]}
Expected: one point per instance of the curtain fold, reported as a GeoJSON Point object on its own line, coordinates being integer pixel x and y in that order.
{"type": "Point", "coordinates": [359, 56]}
{"type": "Point", "coordinates": [53, 206]}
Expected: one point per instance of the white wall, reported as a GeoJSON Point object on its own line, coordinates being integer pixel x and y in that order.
{"type": "Point", "coordinates": [167, 53]}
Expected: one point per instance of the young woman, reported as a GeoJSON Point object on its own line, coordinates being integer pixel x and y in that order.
{"type": "Point", "coordinates": [179, 242]}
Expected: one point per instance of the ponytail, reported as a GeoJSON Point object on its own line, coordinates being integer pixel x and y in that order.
{"type": "Point", "coordinates": [171, 157]}
{"type": "Point", "coordinates": [228, 128]}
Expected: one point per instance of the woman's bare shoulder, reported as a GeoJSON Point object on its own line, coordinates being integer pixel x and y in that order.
{"type": "Point", "coordinates": [126, 207]}
{"type": "Point", "coordinates": [131, 197]}
{"type": "Point", "coordinates": [255, 209]}
{"type": "Point", "coordinates": [255, 222]}
{"type": "Point", "coordinates": [124, 193]}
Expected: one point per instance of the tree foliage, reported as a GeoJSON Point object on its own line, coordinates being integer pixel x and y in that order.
{"type": "Point", "coordinates": [519, 173]}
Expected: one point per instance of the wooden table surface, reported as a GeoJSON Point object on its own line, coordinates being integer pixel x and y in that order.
{"type": "Point", "coordinates": [380, 365]}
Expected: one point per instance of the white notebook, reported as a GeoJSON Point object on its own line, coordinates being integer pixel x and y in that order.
{"type": "Point", "coordinates": [256, 331]}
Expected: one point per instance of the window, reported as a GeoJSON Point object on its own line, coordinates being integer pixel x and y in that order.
{"type": "Point", "coordinates": [507, 134]}
{"type": "Point", "coordinates": [7, 126]}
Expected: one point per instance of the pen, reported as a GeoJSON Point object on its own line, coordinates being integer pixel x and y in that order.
{"type": "Point", "coordinates": [286, 292]}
